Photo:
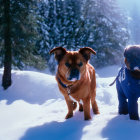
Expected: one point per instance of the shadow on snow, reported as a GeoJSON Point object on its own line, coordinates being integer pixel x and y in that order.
{"type": "Point", "coordinates": [71, 129]}
{"type": "Point", "coordinates": [120, 128]}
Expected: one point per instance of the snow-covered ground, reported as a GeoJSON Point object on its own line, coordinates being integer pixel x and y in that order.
{"type": "Point", "coordinates": [34, 109]}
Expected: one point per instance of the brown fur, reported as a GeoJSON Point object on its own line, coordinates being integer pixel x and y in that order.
{"type": "Point", "coordinates": [83, 89]}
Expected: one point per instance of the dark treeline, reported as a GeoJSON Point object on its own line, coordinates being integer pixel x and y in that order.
{"type": "Point", "coordinates": [29, 29]}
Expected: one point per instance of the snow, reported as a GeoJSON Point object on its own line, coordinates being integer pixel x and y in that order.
{"type": "Point", "coordinates": [34, 109]}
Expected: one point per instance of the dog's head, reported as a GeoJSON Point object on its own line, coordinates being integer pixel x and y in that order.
{"type": "Point", "coordinates": [132, 57]}
{"type": "Point", "coordinates": [72, 64]}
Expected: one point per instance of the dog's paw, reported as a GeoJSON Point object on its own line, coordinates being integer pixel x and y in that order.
{"type": "Point", "coordinates": [134, 117]}
{"type": "Point", "coordinates": [87, 118]}
{"type": "Point", "coordinates": [96, 111]}
{"type": "Point", "coordinates": [123, 112]}
{"type": "Point", "coordinates": [69, 115]}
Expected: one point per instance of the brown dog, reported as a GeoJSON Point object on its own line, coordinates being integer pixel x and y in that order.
{"type": "Point", "coordinates": [76, 78]}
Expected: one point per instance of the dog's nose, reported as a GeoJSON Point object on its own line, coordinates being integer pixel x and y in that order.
{"type": "Point", "coordinates": [74, 75]}
{"type": "Point", "coordinates": [74, 72]}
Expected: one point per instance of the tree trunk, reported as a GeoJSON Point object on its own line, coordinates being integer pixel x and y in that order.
{"type": "Point", "coordinates": [6, 80]}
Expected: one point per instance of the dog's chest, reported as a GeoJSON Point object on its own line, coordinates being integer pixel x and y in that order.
{"type": "Point", "coordinates": [129, 83]}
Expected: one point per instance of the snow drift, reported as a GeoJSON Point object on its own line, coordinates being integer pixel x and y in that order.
{"type": "Point", "coordinates": [34, 109]}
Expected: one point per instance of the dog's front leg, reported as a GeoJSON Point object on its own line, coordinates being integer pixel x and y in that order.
{"type": "Point", "coordinates": [71, 106]}
{"type": "Point", "coordinates": [123, 105]}
{"type": "Point", "coordinates": [133, 109]}
{"type": "Point", "coordinates": [80, 107]}
{"type": "Point", "coordinates": [86, 107]}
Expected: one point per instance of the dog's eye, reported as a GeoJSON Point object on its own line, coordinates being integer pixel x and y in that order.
{"type": "Point", "coordinates": [80, 64]}
{"type": "Point", "coordinates": [67, 64]}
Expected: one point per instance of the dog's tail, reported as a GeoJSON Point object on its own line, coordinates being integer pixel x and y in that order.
{"type": "Point", "coordinates": [113, 82]}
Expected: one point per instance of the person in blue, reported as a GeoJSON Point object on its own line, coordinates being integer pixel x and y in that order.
{"type": "Point", "coordinates": [128, 83]}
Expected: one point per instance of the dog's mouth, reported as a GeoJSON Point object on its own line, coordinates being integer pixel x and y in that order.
{"type": "Point", "coordinates": [73, 79]}
{"type": "Point", "coordinates": [137, 68]}
{"type": "Point", "coordinates": [73, 75]}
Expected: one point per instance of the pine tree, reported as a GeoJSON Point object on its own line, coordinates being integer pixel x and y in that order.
{"type": "Point", "coordinates": [89, 17]}
{"type": "Point", "coordinates": [52, 31]}
{"type": "Point", "coordinates": [24, 33]}
{"type": "Point", "coordinates": [42, 44]}
{"type": "Point", "coordinates": [47, 30]}
{"type": "Point", "coordinates": [6, 80]}
{"type": "Point", "coordinates": [107, 31]}
{"type": "Point", "coordinates": [20, 35]}
{"type": "Point", "coordinates": [71, 23]}
{"type": "Point", "coordinates": [95, 23]}
{"type": "Point", "coordinates": [60, 25]}
{"type": "Point", "coordinates": [1, 32]}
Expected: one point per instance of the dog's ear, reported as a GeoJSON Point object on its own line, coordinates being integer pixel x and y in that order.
{"type": "Point", "coordinates": [126, 63]}
{"type": "Point", "coordinates": [59, 53]}
{"type": "Point", "coordinates": [86, 52]}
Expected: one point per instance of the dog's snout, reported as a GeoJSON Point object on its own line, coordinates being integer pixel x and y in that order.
{"type": "Point", "coordinates": [74, 74]}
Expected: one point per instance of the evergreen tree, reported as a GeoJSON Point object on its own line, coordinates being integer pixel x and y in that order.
{"type": "Point", "coordinates": [71, 22]}
{"type": "Point", "coordinates": [42, 44]}
{"type": "Point", "coordinates": [52, 32]}
{"type": "Point", "coordinates": [24, 33]}
{"type": "Point", "coordinates": [1, 32]}
{"type": "Point", "coordinates": [74, 23]}
{"type": "Point", "coordinates": [6, 80]}
{"type": "Point", "coordinates": [107, 31]}
{"type": "Point", "coordinates": [89, 17]}
{"type": "Point", "coordinates": [19, 37]}
{"type": "Point", "coordinates": [48, 31]}
{"type": "Point", "coordinates": [60, 25]}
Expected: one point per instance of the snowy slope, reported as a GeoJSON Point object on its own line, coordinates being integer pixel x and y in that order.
{"type": "Point", "coordinates": [34, 109]}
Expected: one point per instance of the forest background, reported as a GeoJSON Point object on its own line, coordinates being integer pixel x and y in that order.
{"type": "Point", "coordinates": [29, 29]}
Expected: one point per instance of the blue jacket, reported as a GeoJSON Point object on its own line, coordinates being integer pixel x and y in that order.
{"type": "Point", "coordinates": [128, 88]}
{"type": "Point", "coordinates": [129, 85]}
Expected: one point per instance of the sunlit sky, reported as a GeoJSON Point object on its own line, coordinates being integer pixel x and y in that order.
{"type": "Point", "coordinates": [128, 4]}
